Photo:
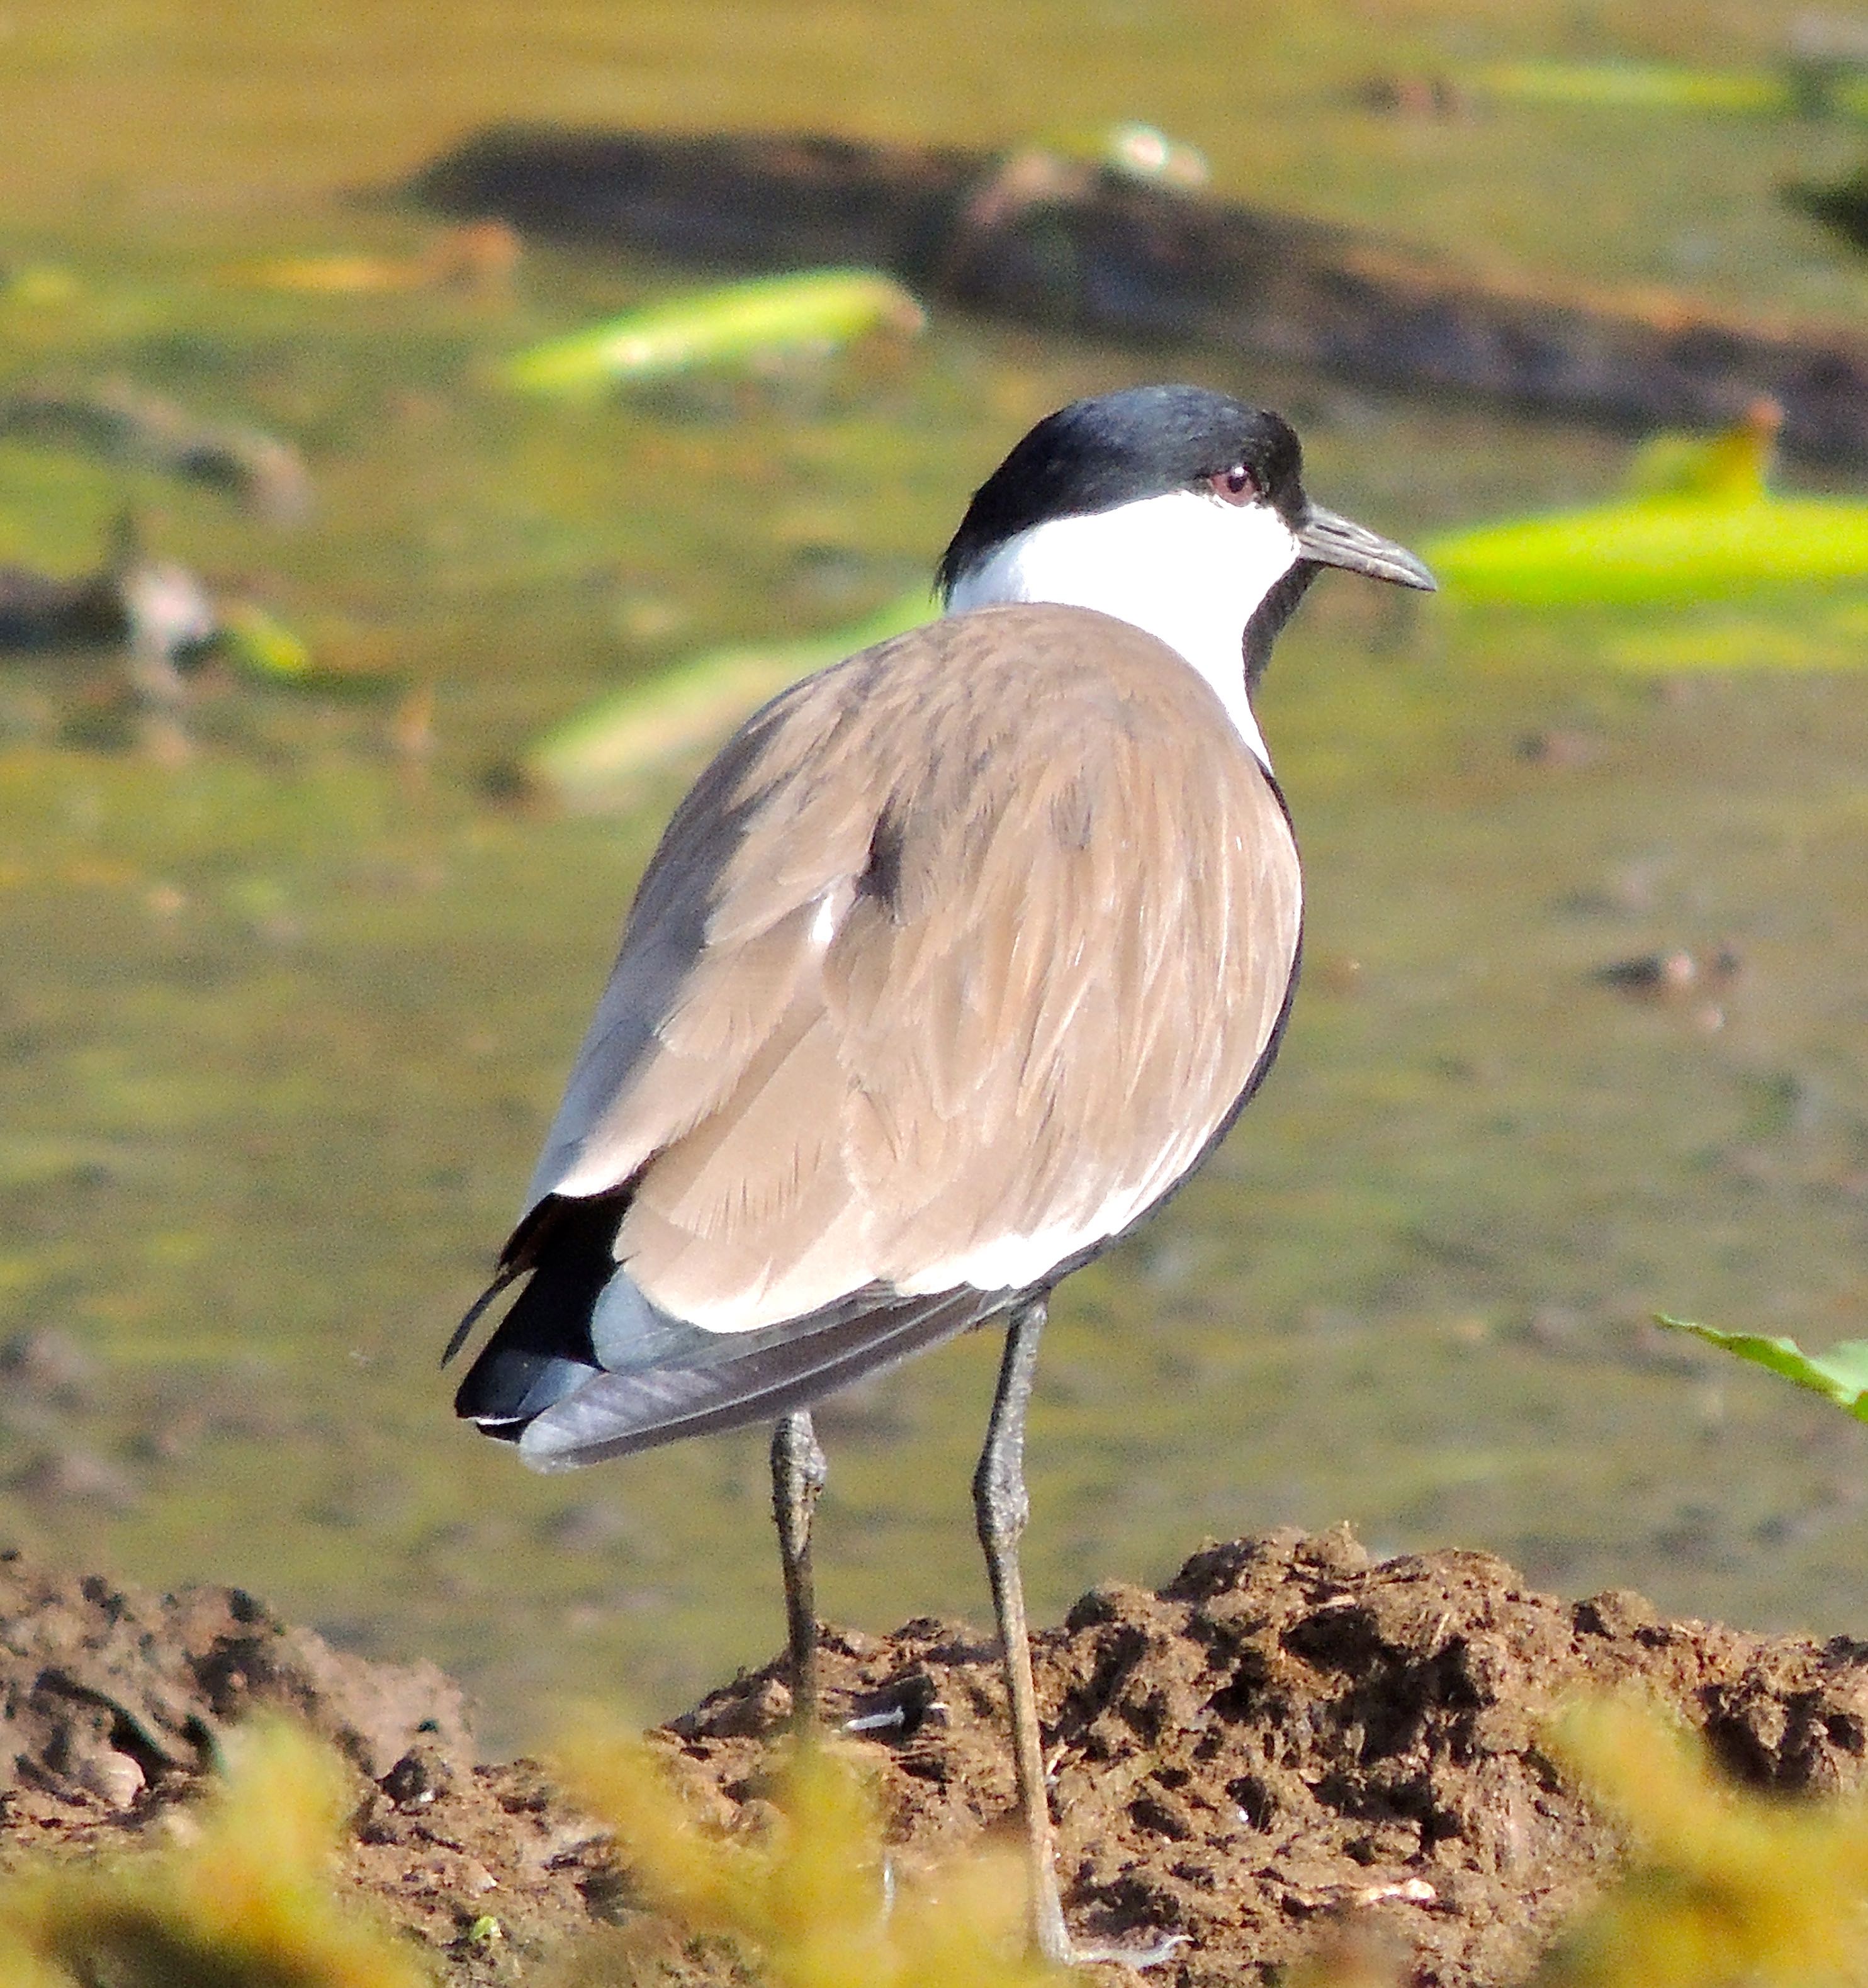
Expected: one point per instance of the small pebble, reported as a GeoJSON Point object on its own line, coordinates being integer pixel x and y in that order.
{"type": "Point", "coordinates": [115, 1777]}
{"type": "Point", "coordinates": [416, 1779]}
{"type": "Point", "coordinates": [1666, 976]}
{"type": "Point", "coordinates": [1410, 1890]}
{"type": "Point", "coordinates": [1560, 747]}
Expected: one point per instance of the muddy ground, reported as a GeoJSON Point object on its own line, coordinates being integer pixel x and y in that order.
{"type": "Point", "coordinates": [1288, 1736]}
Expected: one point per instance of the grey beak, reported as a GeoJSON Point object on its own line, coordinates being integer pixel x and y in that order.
{"type": "Point", "coordinates": [1327, 539]}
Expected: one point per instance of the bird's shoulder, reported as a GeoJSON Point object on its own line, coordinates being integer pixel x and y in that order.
{"type": "Point", "coordinates": [1025, 667]}
{"type": "Point", "coordinates": [990, 709]}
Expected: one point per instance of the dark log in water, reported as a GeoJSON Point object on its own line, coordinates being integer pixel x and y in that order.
{"type": "Point", "coordinates": [1843, 206]}
{"type": "Point", "coordinates": [122, 423]}
{"type": "Point", "coordinates": [1056, 242]}
{"type": "Point", "coordinates": [38, 611]}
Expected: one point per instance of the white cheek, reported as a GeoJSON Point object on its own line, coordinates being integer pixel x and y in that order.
{"type": "Point", "coordinates": [1258, 548]}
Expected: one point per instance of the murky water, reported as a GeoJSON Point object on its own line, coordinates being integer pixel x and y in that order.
{"type": "Point", "coordinates": [279, 1030]}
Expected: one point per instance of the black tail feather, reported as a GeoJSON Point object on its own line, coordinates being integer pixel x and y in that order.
{"type": "Point", "coordinates": [541, 1349]}
{"type": "Point", "coordinates": [659, 1377]}
{"type": "Point", "coordinates": [474, 1312]}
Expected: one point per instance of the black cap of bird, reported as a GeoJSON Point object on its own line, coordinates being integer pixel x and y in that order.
{"type": "Point", "coordinates": [961, 956]}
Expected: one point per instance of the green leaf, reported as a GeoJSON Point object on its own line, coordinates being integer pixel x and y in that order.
{"type": "Point", "coordinates": [1669, 549]}
{"type": "Point", "coordinates": [256, 643]}
{"type": "Point", "coordinates": [1841, 1374]}
{"type": "Point", "coordinates": [591, 760]}
{"type": "Point", "coordinates": [1666, 86]}
{"type": "Point", "coordinates": [732, 324]}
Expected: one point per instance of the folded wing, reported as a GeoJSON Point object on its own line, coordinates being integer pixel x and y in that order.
{"type": "Point", "coordinates": [926, 994]}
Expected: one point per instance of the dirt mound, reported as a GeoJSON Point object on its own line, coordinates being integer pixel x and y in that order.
{"type": "Point", "coordinates": [104, 1691]}
{"type": "Point", "coordinates": [111, 1701]}
{"type": "Point", "coordinates": [1289, 1731]}
{"type": "Point", "coordinates": [1286, 1736]}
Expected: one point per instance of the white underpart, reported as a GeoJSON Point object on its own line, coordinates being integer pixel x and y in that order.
{"type": "Point", "coordinates": [1189, 568]}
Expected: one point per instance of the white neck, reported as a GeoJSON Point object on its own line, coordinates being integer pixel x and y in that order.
{"type": "Point", "coordinates": [1190, 569]}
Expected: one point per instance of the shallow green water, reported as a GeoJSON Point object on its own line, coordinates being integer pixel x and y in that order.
{"type": "Point", "coordinates": [279, 1030]}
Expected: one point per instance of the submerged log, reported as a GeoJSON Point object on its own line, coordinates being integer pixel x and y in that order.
{"type": "Point", "coordinates": [1077, 246]}
{"type": "Point", "coordinates": [122, 423]}
{"type": "Point", "coordinates": [1842, 205]}
{"type": "Point", "coordinates": [38, 610]}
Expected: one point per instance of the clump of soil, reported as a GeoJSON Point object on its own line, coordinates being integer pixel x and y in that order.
{"type": "Point", "coordinates": [111, 1702]}
{"type": "Point", "coordinates": [104, 1691]}
{"type": "Point", "coordinates": [1287, 1738]}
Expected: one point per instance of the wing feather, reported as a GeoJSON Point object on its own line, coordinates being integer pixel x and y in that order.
{"type": "Point", "coordinates": [911, 993]}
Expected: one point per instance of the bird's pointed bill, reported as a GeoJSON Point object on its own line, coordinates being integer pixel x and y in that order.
{"type": "Point", "coordinates": [1326, 538]}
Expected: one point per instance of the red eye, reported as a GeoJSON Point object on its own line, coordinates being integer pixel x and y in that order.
{"type": "Point", "coordinates": [1236, 486]}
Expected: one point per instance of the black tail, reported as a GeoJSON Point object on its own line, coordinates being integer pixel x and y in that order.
{"type": "Point", "coordinates": [541, 1350]}
{"type": "Point", "coordinates": [659, 1378]}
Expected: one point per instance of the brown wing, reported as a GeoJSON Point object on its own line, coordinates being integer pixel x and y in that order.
{"type": "Point", "coordinates": [950, 966]}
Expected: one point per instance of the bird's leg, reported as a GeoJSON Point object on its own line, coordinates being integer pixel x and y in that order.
{"type": "Point", "coordinates": [1001, 1507]}
{"type": "Point", "coordinates": [798, 1474]}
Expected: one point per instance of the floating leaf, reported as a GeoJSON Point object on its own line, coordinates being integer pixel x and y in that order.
{"type": "Point", "coordinates": [1699, 522]}
{"type": "Point", "coordinates": [1733, 467]}
{"type": "Point", "coordinates": [38, 285]}
{"type": "Point", "coordinates": [592, 760]}
{"type": "Point", "coordinates": [1841, 1374]}
{"type": "Point", "coordinates": [479, 254]}
{"type": "Point", "coordinates": [333, 275]}
{"type": "Point", "coordinates": [1662, 549]}
{"type": "Point", "coordinates": [1628, 86]}
{"type": "Point", "coordinates": [735, 324]}
{"type": "Point", "coordinates": [252, 640]}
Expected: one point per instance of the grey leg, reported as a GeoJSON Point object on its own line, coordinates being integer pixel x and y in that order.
{"type": "Point", "coordinates": [1001, 1508]}
{"type": "Point", "coordinates": [798, 1475]}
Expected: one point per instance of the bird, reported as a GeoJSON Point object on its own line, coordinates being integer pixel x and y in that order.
{"type": "Point", "coordinates": [955, 962]}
